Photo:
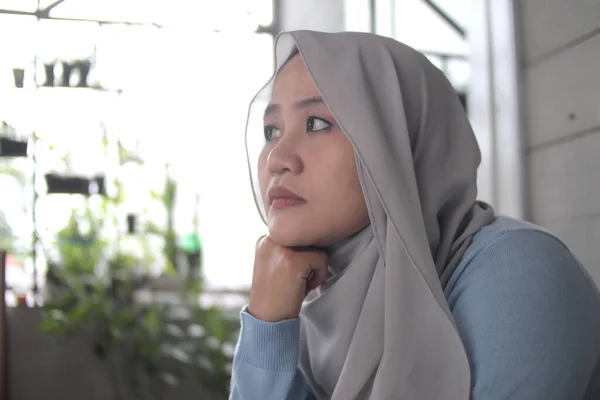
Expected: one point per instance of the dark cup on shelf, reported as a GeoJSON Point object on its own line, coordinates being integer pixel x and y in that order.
{"type": "Point", "coordinates": [19, 76]}
{"type": "Point", "coordinates": [13, 147]}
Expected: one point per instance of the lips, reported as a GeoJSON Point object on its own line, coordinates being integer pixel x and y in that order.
{"type": "Point", "coordinates": [282, 197]}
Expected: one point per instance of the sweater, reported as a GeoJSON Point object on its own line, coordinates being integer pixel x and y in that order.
{"type": "Point", "coordinates": [527, 312]}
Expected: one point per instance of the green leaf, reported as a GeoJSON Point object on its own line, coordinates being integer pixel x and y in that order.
{"type": "Point", "coordinates": [50, 325]}
{"type": "Point", "coordinates": [152, 320]}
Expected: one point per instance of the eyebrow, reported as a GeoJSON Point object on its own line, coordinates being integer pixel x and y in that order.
{"type": "Point", "coordinates": [304, 103]}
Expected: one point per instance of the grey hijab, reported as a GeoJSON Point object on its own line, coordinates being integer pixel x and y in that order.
{"type": "Point", "coordinates": [380, 328]}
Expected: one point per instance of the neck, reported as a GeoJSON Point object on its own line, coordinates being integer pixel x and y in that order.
{"type": "Point", "coordinates": [342, 254]}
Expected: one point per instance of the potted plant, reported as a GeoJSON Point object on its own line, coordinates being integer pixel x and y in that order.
{"type": "Point", "coordinates": [49, 72]}
{"type": "Point", "coordinates": [82, 66]}
{"type": "Point", "coordinates": [108, 299]}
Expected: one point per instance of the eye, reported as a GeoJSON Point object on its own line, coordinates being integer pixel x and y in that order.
{"type": "Point", "coordinates": [314, 124]}
{"type": "Point", "coordinates": [271, 132]}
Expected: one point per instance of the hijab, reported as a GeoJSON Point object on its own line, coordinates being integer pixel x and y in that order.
{"type": "Point", "coordinates": [380, 327]}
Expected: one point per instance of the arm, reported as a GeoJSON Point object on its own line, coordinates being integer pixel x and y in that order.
{"type": "Point", "coordinates": [529, 318]}
{"type": "Point", "coordinates": [265, 364]}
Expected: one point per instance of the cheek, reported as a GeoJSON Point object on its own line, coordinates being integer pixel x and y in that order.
{"type": "Point", "coordinates": [346, 188]}
{"type": "Point", "coordinates": [339, 206]}
{"type": "Point", "coordinates": [346, 202]}
{"type": "Point", "coordinates": [263, 173]}
{"type": "Point", "coordinates": [337, 174]}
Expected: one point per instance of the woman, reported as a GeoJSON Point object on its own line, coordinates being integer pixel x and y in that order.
{"type": "Point", "coordinates": [382, 277]}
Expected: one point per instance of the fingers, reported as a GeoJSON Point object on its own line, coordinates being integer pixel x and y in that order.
{"type": "Point", "coordinates": [309, 264]}
{"type": "Point", "coordinates": [318, 262]}
{"type": "Point", "coordinates": [317, 277]}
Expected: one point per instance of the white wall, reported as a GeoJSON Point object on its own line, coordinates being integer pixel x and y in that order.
{"type": "Point", "coordinates": [561, 92]}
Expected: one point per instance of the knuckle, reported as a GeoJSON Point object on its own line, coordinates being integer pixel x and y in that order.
{"type": "Point", "coordinates": [286, 258]}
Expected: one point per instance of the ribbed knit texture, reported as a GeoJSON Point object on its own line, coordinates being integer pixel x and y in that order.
{"type": "Point", "coordinates": [272, 346]}
{"type": "Point", "coordinates": [527, 313]}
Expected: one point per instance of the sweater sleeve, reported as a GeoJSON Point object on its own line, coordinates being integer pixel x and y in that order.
{"type": "Point", "coordinates": [265, 363]}
{"type": "Point", "coordinates": [529, 318]}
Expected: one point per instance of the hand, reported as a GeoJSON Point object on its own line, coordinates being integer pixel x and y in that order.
{"type": "Point", "coordinates": [282, 278]}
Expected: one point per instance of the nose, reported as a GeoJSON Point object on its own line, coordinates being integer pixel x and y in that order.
{"type": "Point", "coordinates": [284, 157]}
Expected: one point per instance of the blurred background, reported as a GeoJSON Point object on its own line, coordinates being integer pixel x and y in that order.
{"type": "Point", "coordinates": [127, 222]}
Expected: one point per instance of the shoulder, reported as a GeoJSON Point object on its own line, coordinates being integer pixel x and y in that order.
{"type": "Point", "coordinates": [526, 310]}
{"type": "Point", "coordinates": [516, 262]}
{"type": "Point", "coordinates": [512, 249]}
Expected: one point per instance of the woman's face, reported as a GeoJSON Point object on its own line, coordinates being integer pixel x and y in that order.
{"type": "Point", "coordinates": [307, 171]}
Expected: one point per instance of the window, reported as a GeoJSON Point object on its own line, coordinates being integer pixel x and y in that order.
{"type": "Point", "coordinates": [419, 24]}
{"type": "Point", "coordinates": [171, 81]}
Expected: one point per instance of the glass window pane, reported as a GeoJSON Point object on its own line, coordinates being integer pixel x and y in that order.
{"type": "Point", "coordinates": [24, 5]}
{"type": "Point", "coordinates": [413, 22]}
{"type": "Point", "coordinates": [459, 72]}
{"type": "Point", "coordinates": [188, 107]}
{"type": "Point", "coordinates": [437, 61]}
{"type": "Point", "coordinates": [65, 40]}
{"type": "Point", "coordinates": [138, 11]}
{"type": "Point", "coordinates": [177, 94]}
{"type": "Point", "coordinates": [261, 11]}
{"type": "Point", "coordinates": [213, 157]}
{"type": "Point", "coordinates": [416, 24]}
{"type": "Point", "coordinates": [458, 10]}
{"type": "Point", "coordinates": [230, 15]}
{"type": "Point", "coordinates": [17, 47]}
{"type": "Point", "coordinates": [19, 5]}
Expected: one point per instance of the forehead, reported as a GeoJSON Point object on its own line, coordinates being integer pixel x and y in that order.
{"type": "Point", "coordinates": [292, 82]}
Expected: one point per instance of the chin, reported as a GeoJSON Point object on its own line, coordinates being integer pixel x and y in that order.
{"type": "Point", "coordinates": [289, 238]}
{"type": "Point", "coordinates": [291, 234]}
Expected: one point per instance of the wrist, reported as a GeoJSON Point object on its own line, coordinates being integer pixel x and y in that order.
{"type": "Point", "coordinates": [272, 346]}
{"type": "Point", "coordinates": [272, 316]}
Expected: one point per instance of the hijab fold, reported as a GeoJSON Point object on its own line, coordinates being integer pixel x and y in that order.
{"type": "Point", "coordinates": [380, 328]}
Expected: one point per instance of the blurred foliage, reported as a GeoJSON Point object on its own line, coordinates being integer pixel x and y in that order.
{"type": "Point", "coordinates": [168, 199]}
{"type": "Point", "coordinates": [17, 174]}
{"type": "Point", "coordinates": [170, 341]}
{"type": "Point", "coordinates": [7, 238]}
{"type": "Point", "coordinates": [98, 291]}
